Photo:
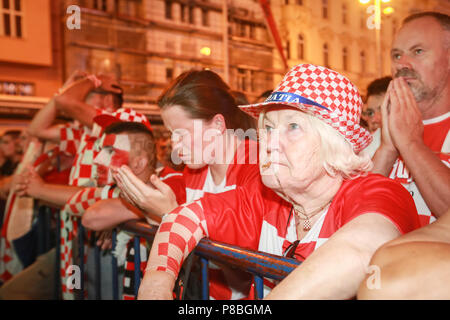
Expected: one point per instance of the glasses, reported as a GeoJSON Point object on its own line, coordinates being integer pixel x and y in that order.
{"type": "Point", "coordinates": [290, 251]}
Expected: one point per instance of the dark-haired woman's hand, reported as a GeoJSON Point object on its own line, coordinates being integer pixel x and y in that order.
{"type": "Point", "coordinates": [157, 199]}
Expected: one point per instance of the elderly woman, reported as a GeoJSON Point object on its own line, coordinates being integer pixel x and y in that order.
{"type": "Point", "coordinates": [322, 208]}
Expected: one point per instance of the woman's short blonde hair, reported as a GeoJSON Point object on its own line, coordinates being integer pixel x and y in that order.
{"type": "Point", "coordinates": [337, 154]}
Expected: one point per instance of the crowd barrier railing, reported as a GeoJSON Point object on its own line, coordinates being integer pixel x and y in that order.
{"type": "Point", "coordinates": [259, 264]}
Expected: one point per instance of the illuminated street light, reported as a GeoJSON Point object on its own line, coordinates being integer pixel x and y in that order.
{"type": "Point", "coordinates": [206, 51]}
{"type": "Point", "coordinates": [376, 7]}
{"type": "Point", "coordinates": [387, 11]}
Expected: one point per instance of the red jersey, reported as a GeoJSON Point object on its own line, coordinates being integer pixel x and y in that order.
{"type": "Point", "coordinates": [436, 136]}
{"type": "Point", "coordinates": [256, 218]}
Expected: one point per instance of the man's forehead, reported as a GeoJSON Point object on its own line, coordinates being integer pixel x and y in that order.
{"type": "Point", "coordinates": [421, 31]}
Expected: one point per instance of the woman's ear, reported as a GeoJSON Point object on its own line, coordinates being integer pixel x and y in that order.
{"type": "Point", "coordinates": [218, 122]}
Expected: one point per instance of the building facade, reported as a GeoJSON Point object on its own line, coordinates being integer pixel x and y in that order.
{"type": "Point", "coordinates": [147, 43]}
{"type": "Point", "coordinates": [341, 34]}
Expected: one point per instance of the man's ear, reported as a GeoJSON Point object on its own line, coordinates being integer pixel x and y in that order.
{"type": "Point", "coordinates": [138, 164]}
{"type": "Point", "coordinates": [218, 122]}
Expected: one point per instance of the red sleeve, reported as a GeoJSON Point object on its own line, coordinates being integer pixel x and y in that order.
{"type": "Point", "coordinates": [175, 181]}
{"type": "Point", "coordinates": [378, 194]}
{"type": "Point", "coordinates": [235, 217]}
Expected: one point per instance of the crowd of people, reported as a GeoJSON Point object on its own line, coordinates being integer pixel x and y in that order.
{"type": "Point", "coordinates": [310, 171]}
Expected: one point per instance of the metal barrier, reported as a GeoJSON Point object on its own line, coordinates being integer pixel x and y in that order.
{"type": "Point", "coordinates": [260, 264]}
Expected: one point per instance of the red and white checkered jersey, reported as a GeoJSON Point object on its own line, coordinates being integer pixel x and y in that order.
{"type": "Point", "coordinates": [256, 218]}
{"type": "Point", "coordinates": [436, 136]}
{"type": "Point", "coordinates": [174, 179]}
{"type": "Point", "coordinates": [79, 141]}
{"type": "Point", "coordinates": [243, 170]}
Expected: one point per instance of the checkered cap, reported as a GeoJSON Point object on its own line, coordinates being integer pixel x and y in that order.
{"type": "Point", "coordinates": [122, 115]}
{"type": "Point", "coordinates": [323, 93]}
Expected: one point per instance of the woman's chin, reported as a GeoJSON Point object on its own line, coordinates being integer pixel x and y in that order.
{"type": "Point", "coordinates": [195, 166]}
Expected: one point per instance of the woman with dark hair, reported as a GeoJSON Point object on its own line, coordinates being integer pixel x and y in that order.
{"type": "Point", "coordinates": [209, 134]}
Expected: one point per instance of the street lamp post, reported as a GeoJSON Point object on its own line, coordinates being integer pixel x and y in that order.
{"type": "Point", "coordinates": [376, 9]}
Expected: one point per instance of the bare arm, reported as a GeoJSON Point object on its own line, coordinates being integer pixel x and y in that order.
{"type": "Point", "coordinates": [72, 101]}
{"type": "Point", "coordinates": [107, 214]}
{"type": "Point", "coordinates": [42, 124]}
{"type": "Point", "coordinates": [31, 184]}
{"type": "Point", "coordinates": [414, 266]}
{"type": "Point", "coordinates": [335, 270]}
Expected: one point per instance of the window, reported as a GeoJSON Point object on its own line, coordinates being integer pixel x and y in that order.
{"type": "Point", "coordinates": [241, 29]}
{"type": "Point", "coordinates": [362, 57]}
{"type": "Point", "coordinates": [242, 80]}
{"type": "Point", "coordinates": [205, 17]}
{"type": "Point", "coordinates": [11, 19]}
{"type": "Point", "coordinates": [182, 12]}
{"type": "Point", "coordinates": [288, 49]}
{"type": "Point", "coordinates": [325, 9]}
{"type": "Point", "coordinates": [168, 9]}
{"type": "Point", "coordinates": [191, 15]}
{"type": "Point", "coordinates": [169, 74]}
{"type": "Point", "coordinates": [99, 5]}
{"type": "Point", "coordinates": [17, 88]}
{"type": "Point", "coordinates": [344, 14]}
{"type": "Point", "coordinates": [362, 19]}
{"type": "Point", "coordinates": [326, 61]}
{"type": "Point", "coordinates": [345, 59]}
{"type": "Point", "coordinates": [301, 47]}
{"type": "Point", "coordinates": [252, 31]}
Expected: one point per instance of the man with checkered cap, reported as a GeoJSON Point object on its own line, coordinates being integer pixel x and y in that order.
{"type": "Point", "coordinates": [316, 201]}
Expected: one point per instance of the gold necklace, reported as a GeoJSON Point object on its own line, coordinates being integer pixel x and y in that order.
{"type": "Point", "coordinates": [306, 220]}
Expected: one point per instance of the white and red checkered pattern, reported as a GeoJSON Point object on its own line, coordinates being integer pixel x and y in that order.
{"type": "Point", "coordinates": [122, 115]}
{"type": "Point", "coordinates": [86, 197]}
{"type": "Point", "coordinates": [323, 93]}
{"type": "Point", "coordinates": [179, 233]}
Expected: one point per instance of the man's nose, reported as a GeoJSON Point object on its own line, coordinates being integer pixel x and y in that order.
{"type": "Point", "coordinates": [403, 63]}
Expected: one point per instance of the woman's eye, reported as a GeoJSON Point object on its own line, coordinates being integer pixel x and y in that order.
{"type": "Point", "coordinates": [418, 51]}
{"type": "Point", "coordinates": [293, 126]}
{"type": "Point", "coordinates": [269, 128]}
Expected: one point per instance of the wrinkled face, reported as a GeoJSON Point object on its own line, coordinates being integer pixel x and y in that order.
{"type": "Point", "coordinates": [419, 54]}
{"type": "Point", "coordinates": [190, 137]}
{"type": "Point", "coordinates": [372, 111]}
{"type": "Point", "coordinates": [114, 152]}
{"type": "Point", "coordinates": [292, 147]}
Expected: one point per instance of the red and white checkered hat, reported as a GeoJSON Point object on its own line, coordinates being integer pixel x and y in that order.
{"type": "Point", "coordinates": [323, 93]}
{"type": "Point", "coordinates": [122, 115]}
